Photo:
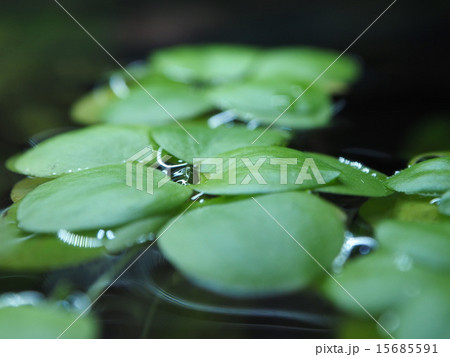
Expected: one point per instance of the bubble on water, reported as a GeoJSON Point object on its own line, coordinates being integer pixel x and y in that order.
{"type": "Point", "coordinates": [110, 235]}
{"type": "Point", "coordinates": [78, 240]}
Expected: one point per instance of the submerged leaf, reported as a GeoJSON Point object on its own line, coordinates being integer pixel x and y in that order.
{"type": "Point", "coordinates": [236, 248]}
{"type": "Point", "coordinates": [260, 169]}
{"type": "Point", "coordinates": [81, 149]}
{"type": "Point", "coordinates": [97, 198]}
{"type": "Point", "coordinates": [211, 142]}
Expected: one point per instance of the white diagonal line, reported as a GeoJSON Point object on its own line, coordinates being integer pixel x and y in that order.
{"type": "Point", "coordinates": [126, 71]}
{"type": "Point", "coordinates": [320, 265]}
{"type": "Point", "coordinates": [126, 269]}
{"type": "Point", "coordinates": [323, 72]}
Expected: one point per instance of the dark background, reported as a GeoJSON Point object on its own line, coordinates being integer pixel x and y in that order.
{"type": "Point", "coordinates": [47, 62]}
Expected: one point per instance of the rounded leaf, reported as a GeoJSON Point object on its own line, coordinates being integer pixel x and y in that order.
{"type": "Point", "coordinates": [306, 65]}
{"type": "Point", "coordinates": [261, 169]}
{"type": "Point", "coordinates": [97, 198]}
{"type": "Point", "coordinates": [81, 149]}
{"type": "Point", "coordinates": [236, 248]}
{"type": "Point", "coordinates": [264, 102]}
{"type": "Point", "coordinates": [211, 64]}
{"type": "Point", "coordinates": [211, 142]}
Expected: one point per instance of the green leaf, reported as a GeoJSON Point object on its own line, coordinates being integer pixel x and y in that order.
{"type": "Point", "coordinates": [427, 316]}
{"type": "Point", "coordinates": [96, 198]}
{"type": "Point", "coordinates": [87, 110]}
{"type": "Point", "coordinates": [175, 101]}
{"type": "Point", "coordinates": [25, 186]}
{"type": "Point", "coordinates": [212, 64]}
{"type": "Point", "coordinates": [407, 208]}
{"type": "Point", "coordinates": [379, 282]}
{"type": "Point", "coordinates": [136, 232]}
{"type": "Point", "coordinates": [444, 204]}
{"type": "Point", "coordinates": [45, 320]}
{"type": "Point", "coordinates": [21, 251]}
{"type": "Point", "coordinates": [81, 149]}
{"type": "Point", "coordinates": [211, 142]}
{"type": "Point", "coordinates": [306, 65]}
{"type": "Point", "coordinates": [427, 177]}
{"type": "Point", "coordinates": [355, 178]}
{"type": "Point", "coordinates": [427, 243]}
{"type": "Point", "coordinates": [265, 101]}
{"type": "Point", "coordinates": [238, 249]}
{"type": "Point", "coordinates": [300, 172]}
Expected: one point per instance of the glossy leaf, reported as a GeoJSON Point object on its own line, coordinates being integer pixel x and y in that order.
{"type": "Point", "coordinates": [137, 107]}
{"type": "Point", "coordinates": [210, 64]}
{"type": "Point", "coordinates": [211, 142]}
{"type": "Point", "coordinates": [299, 172]}
{"type": "Point", "coordinates": [238, 249]}
{"type": "Point", "coordinates": [81, 149]}
{"type": "Point", "coordinates": [306, 65]}
{"type": "Point", "coordinates": [355, 178]}
{"type": "Point", "coordinates": [96, 198]}
{"type": "Point", "coordinates": [264, 102]}
{"type": "Point", "coordinates": [46, 321]}
{"type": "Point", "coordinates": [427, 243]}
{"type": "Point", "coordinates": [427, 177]}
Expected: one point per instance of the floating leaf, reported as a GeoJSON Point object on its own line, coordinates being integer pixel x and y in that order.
{"type": "Point", "coordinates": [306, 65]}
{"type": "Point", "coordinates": [265, 101]}
{"type": "Point", "coordinates": [444, 204]}
{"type": "Point", "coordinates": [22, 251]}
{"type": "Point", "coordinates": [407, 208]}
{"type": "Point", "coordinates": [45, 320]}
{"type": "Point", "coordinates": [275, 169]}
{"type": "Point", "coordinates": [425, 317]}
{"type": "Point", "coordinates": [25, 186]}
{"type": "Point", "coordinates": [238, 249]}
{"type": "Point", "coordinates": [81, 149]}
{"type": "Point", "coordinates": [211, 142]}
{"type": "Point", "coordinates": [378, 282]}
{"type": "Point", "coordinates": [425, 242]}
{"type": "Point", "coordinates": [139, 231]}
{"type": "Point", "coordinates": [96, 198]}
{"type": "Point", "coordinates": [175, 101]}
{"type": "Point", "coordinates": [427, 177]}
{"type": "Point", "coordinates": [355, 178]}
{"type": "Point", "coordinates": [211, 64]}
